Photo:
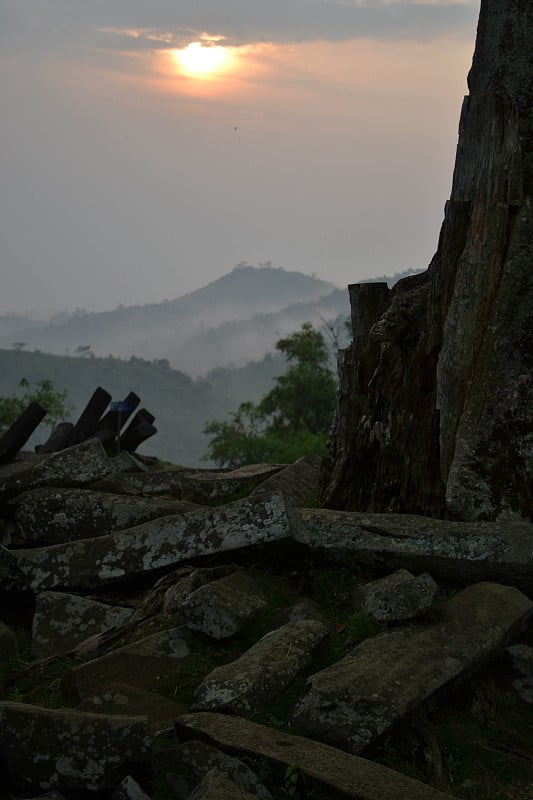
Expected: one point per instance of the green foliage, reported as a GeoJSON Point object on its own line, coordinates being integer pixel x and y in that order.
{"type": "Point", "coordinates": [295, 782]}
{"type": "Point", "coordinates": [292, 419]}
{"type": "Point", "coordinates": [44, 393]}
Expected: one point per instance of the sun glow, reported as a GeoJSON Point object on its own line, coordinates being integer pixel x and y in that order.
{"type": "Point", "coordinates": [203, 61]}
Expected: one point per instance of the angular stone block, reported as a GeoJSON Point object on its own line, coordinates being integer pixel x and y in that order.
{"type": "Point", "coordinates": [263, 671]}
{"type": "Point", "coordinates": [222, 608]}
{"type": "Point", "coordinates": [164, 542]}
{"type": "Point", "coordinates": [396, 597]}
{"type": "Point", "coordinates": [339, 773]}
{"type": "Point", "coordinates": [390, 676]}
{"type": "Point", "coordinates": [44, 748]}
{"type": "Point", "coordinates": [61, 621]}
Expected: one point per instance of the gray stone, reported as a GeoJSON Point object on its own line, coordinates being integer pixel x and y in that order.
{"type": "Point", "coordinates": [299, 482]}
{"type": "Point", "coordinates": [215, 786]}
{"type": "Point", "coordinates": [222, 608]}
{"type": "Point", "coordinates": [339, 773]}
{"type": "Point", "coordinates": [141, 664]}
{"type": "Point", "coordinates": [397, 597]}
{"type": "Point", "coordinates": [61, 621]}
{"type": "Point", "coordinates": [195, 485]}
{"type": "Point", "coordinates": [521, 656]}
{"type": "Point", "coordinates": [126, 462]}
{"type": "Point", "coordinates": [453, 551]}
{"type": "Point", "coordinates": [75, 466]}
{"type": "Point", "coordinates": [164, 542]}
{"type": "Point", "coordinates": [129, 789]}
{"type": "Point", "coordinates": [53, 516]}
{"type": "Point", "coordinates": [390, 676]}
{"type": "Point", "coordinates": [121, 698]}
{"type": "Point", "coordinates": [215, 486]}
{"type": "Point", "coordinates": [47, 748]}
{"type": "Point", "coordinates": [50, 796]}
{"type": "Point", "coordinates": [303, 610]}
{"type": "Point", "coordinates": [169, 592]}
{"type": "Point", "coordinates": [10, 575]}
{"type": "Point", "coordinates": [185, 765]}
{"type": "Point", "coordinates": [8, 643]}
{"type": "Point", "coordinates": [263, 671]}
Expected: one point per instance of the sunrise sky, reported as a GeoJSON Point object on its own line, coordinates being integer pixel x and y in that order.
{"type": "Point", "coordinates": [148, 146]}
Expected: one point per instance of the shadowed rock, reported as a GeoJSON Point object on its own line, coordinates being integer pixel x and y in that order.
{"type": "Point", "coordinates": [390, 676]}
{"type": "Point", "coordinates": [216, 786]}
{"type": "Point", "coordinates": [141, 663]}
{"type": "Point", "coordinates": [73, 751]}
{"type": "Point", "coordinates": [263, 671]}
{"type": "Point", "coordinates": [47, 516]}
{"type": "Point", "coordinates": [454, 551]}
{"type": "Point", "coordinates": [185, 765]}
{"type": "Point", "coordinates": [345, 775]}
{"type": "Point", "coordinates": [75, 466]}
{"type": "Point", "coordinates": [222, 607]}
{"type": "Point", "coordinates": [61, 621]}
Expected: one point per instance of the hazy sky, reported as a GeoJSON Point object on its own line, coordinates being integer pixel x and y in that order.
{"type": "Point", "coordinates": [136, 165]}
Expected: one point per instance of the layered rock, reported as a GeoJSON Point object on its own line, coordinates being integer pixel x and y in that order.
{"type": "Point", "coordinates": [435, 404]}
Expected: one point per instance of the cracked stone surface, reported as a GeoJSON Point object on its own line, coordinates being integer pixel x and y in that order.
{"type": "Point", "coordinates": [386, 678]}
{"type": "Point", "coordinates": [261, 672]}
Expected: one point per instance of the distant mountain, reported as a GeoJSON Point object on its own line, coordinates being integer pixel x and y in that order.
{"type": "Point", "coordinates": [158, 330]}
{"type": "Point", "coordinates": [231, 321]}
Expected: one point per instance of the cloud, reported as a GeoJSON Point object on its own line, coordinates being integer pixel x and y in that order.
{"type": "Point", "coordinates": [137, 24]}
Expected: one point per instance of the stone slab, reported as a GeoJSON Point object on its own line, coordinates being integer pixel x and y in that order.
{"type": "Point", "coordinates": [221, 608]}
{"type": "Point", "coordinates": [164, 542]}
{"type": "Point", "coordinates": [61, 621]}
{"type": "Point", "coordinates": [121, 698]}
{"type": "Point", "coordinates": [349, 777]}
{"type": "Point", "coordinates": [387, 678]}
{"type": "Point", "coordinates": [8, 643]}
{"type": "Point", "coordinates": [141, 664]}
{"type": "Point", "coordinates": [263, 671]}
{"type": "Point", "coordinates": [68, 750]}
{"type": "Point", "coordinates": [450, 551]}
{"type": "Point", "coordinates": [299, 482]}
{"type": "Point", "coordinates": [75, 466]}
{"type": "Point", "coordinates": [54, 516]}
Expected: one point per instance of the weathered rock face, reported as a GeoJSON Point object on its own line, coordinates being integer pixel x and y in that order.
{"type": "Point", "coordinates": [435, 404]}
{"type": "Point", "coordinates": [70, 750]}
{"type": "Point", "coordinates": [385, 678]}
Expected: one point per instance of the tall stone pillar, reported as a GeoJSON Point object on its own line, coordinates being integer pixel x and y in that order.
{"type": "Point", "coordinates": [435, 410]}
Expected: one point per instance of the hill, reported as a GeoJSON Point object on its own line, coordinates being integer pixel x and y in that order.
{"type": "Point", "coordinates": [163, 329]}
{"type": "Point", "coordinates": [182, 405]}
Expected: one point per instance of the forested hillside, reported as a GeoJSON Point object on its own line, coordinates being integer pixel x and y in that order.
{"type": "Point", "coordinates": [182, 405]}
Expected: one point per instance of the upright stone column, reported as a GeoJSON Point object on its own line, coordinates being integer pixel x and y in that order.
{"type": "Point", "coordinates": [435, 407]}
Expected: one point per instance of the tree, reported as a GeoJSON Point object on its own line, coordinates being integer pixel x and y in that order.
{"type": "Point", "coordinates": [292, 419]}
{"type": "Point", "coordinates": [44, 393]}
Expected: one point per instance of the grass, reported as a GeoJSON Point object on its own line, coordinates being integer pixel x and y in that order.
{"type": "Point", "coordinates": [484, 736]}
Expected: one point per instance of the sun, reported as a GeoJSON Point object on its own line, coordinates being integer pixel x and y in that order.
{"type": "Point", "coordinates": [203, 61]}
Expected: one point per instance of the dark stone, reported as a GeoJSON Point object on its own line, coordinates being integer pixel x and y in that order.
{"type": "Point", "coordinates": [20, 431]}
{"type": "Point", "coordinates": [435, 396]}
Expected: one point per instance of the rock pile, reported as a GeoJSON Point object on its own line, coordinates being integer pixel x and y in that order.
{"type": "Point", "coordinates": [131, 621]}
